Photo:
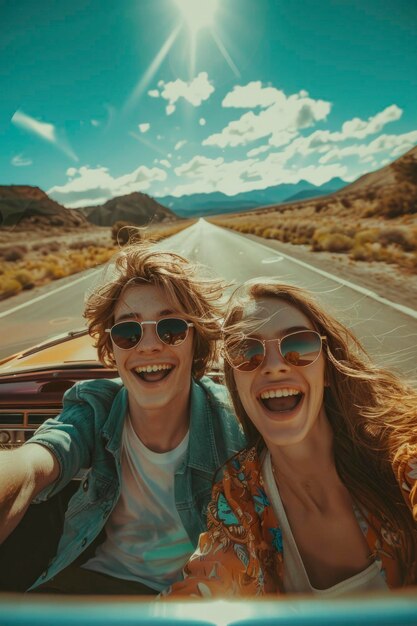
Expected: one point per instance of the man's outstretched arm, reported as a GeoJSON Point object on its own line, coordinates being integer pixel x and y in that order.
{"type": "Point", "coordinates": [23, 474]}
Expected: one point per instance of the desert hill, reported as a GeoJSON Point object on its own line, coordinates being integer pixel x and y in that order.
{"type": "Point", "coordinates": [30, 207]}
{"type": "Point", "coordinates": [134, 208]}
{"type": "Point", "coordinates": [404, 169]}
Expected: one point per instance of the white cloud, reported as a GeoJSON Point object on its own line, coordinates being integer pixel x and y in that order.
{"type": "Point", "coordinates": [281, 117]}
{"type": "Point", "coordinates": [202, 121]}
{"type": "Point", "coordinates": [153, 93]}
{"type": "Point", "coordinates": [359, 129]}
{"type": "Point", "coordinates": [395, 145]}
{"type": "Point", "coordinates": [255, 151]}
{"type": "Point", "coordinates": [20, 161]}
{"type": "Point", "coordinates": [43, 130]}
{"type": "Point", "coordinates": [194, 91]}
{"type": "Point", "coordinates": [90, 186]}
{"type": "Point", "coordinates": [253, 95]}
{"type": "Point", "coordinates": [180, 144]}
{"type": "Point", "coordinates": [165, 163]}
{"type": "Point", "coordinates": [95, 123]}
{"type": "Point", "coordinates": [144, 127]}
{"type": "Point", "coordinates": [206, 175]}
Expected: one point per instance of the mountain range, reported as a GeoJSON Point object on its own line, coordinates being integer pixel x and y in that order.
{"type": "Point", "coordinates": [207, 204]}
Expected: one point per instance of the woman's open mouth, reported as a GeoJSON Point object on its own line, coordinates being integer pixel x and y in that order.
{"type": "Point", "coordinates": [154, 373]}
{"type": "Point", "coordinates": [281, 400]}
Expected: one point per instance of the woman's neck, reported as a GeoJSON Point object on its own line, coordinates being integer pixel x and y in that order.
{"type": "Point", "coordinates": [310, 459]}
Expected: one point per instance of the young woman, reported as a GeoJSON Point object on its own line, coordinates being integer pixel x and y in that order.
{"type": "Point", "coordinates": [324, 498]}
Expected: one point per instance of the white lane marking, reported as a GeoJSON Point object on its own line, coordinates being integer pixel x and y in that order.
{"type": "Point", "coordinates": [46, 295]}
{"type": "Point", "coordinates": [271, 260]}
{"type": "Point", "coordinates": [367, 292]}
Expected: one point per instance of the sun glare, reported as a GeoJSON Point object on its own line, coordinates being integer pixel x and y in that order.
{"type": "Point", "coordinates": [197, 13]}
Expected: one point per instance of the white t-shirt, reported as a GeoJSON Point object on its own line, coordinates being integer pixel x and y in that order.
{"type": "Point", "coordinates": [145, 538]}
{"type": "Point", "coordinates": [295, 575]}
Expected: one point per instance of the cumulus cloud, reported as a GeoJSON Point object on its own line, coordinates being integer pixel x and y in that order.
{"type": "Point", "coordinates": [144, 127]}
{"type": "Point", "coordinates": [202, 121]}
{"type": "Point", "coordinates": [45, 131]}
{"type": "Point", "coordinates": [280, 119]}
{"type": "Point", "coordinates": [206, 175]}
{"type": "Point", "coordinates": [395, 145]}
{"type": "Point", "coordinates": [153, 93]}
{"type": "Point", "coordinates": [180, 144]}
{"type": "Point", "coordinates": [21, 161]}
{"type": "Point", "coordinates": [96, 185]}
{"type": "Point", "coordinates": [256, 151]}
{"type": "Point", "coordinates": [165, 163]}
{"type": "Point", "coordinates": [195, 91]}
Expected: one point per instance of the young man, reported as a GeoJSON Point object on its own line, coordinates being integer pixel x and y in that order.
{"type": "Point", "coordinates": [151, 442]}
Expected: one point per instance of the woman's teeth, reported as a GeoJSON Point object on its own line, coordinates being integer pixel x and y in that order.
{"type": "Point", "coordinates": [279, 393]}
{"type": "Point", "coordinates": [281, 400]}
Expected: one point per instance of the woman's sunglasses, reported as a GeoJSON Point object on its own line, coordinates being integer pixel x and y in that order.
{"type": "Point", "coordinates": [172, 331]}
{"type": "Point", "coordinates": [300, 348]}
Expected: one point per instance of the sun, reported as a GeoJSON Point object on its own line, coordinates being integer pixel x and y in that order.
{"type": "Point", "coordinates": [197, 13]}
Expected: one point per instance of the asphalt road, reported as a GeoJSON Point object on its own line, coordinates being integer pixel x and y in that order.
{"type": "Point", "coordinates": [388, 330]}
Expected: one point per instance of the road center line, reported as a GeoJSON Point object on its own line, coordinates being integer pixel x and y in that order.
{"type": "Point", "coordinates": [46, 295]}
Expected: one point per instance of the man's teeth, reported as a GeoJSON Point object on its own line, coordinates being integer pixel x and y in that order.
{"type": "Point", "coordinates": [153, 368]}
{"type": "Point", "coordinates": [279, 393]}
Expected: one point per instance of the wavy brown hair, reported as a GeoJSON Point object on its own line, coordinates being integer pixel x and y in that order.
{"type": "Point", "coordinates": [187, 288]}
{"type": "Point", "coordinates": [372, 412]}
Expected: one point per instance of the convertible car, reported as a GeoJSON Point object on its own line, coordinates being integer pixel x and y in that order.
{"type": "Point", "coordinates": [32, 384]}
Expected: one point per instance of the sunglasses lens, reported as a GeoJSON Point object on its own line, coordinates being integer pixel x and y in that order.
{"type": "Point", "coordinates": [301, 348]}
{"type": "Point", "coordinates": [172, 331]}
{"type": "Point", "coordinates": [126, 335]}
{"type": "Point", "coordinates": [245, 355]}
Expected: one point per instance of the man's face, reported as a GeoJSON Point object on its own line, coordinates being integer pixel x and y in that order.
{"type": "Point", "coordinates": [160, 390]}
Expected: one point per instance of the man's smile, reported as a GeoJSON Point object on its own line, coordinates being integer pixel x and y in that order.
{"type": "Point", "coordinates": [154, 372]}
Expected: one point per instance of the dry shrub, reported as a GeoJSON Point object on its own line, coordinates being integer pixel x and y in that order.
{"type": "Point", "coordinates": [367, 235]}
{"type": "Point", "coordinates": [25, 278]}
{"type": "Point", "coordinates": [337, 242]}
{"type": "Point", "coordinates": [14, 253]}
{"type": "Point", "coordinates": [399, 236]}
{"type": "Point", "coordinates": [9, 287]}
{"type": "Point", "coordinates": [125, 232]}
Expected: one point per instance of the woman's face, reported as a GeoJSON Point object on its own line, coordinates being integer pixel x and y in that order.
{"type": "Point", "coordinates": [284, 402]}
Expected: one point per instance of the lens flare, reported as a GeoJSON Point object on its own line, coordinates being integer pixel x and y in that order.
{"type": "Point", "coordinates": [197, 13]}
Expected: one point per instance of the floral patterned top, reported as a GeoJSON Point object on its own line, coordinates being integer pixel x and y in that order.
{"type": "Point", "coordinates": [241, 552]}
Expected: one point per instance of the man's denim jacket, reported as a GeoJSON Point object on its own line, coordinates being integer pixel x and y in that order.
{"type": "Point", "coordinates": [88, 433]}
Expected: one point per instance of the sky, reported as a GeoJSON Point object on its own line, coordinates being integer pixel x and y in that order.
{"type": "Point", "coordinates": [100, 98]}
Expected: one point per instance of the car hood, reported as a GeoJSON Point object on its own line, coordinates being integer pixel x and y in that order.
{"type": "Point", "coordinates": [66, 351]}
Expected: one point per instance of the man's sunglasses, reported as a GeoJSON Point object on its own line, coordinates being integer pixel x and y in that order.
{"type": "Point", "coordinates": [300, 348]}
{"type": "Point", "coordinates": [172, 331]}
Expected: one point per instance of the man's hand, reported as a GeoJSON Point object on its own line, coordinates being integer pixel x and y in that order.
{"type": "Point", "coordinates": [23, 474]}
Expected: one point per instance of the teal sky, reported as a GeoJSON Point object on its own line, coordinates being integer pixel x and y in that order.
{"type": "Point", "coordinates": [101, 98]}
